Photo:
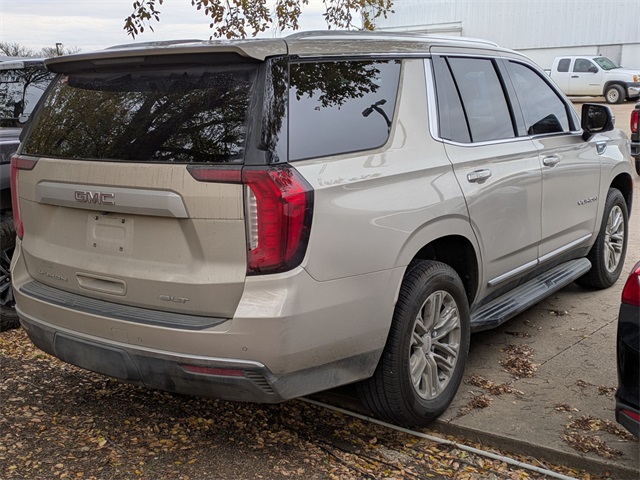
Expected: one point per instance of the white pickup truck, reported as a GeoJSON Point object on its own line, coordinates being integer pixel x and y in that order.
{"type": "Point", "coordinates": [594, 76]}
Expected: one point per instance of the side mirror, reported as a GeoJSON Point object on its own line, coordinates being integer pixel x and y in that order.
{"type": "Point", "coordinates": [596, 119]}
{"type": "Point", "coordinates": [593, 69]}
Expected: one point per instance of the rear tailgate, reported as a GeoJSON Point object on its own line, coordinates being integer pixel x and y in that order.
{"type": "Point", "coordinates": [110, 210]}
{"type": "Point", "coordinates": [167, 242]}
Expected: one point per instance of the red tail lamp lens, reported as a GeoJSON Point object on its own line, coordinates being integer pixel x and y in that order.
{"type": "Point", "coordinates": [17, 164]}
{"type": "Point", "coordinates": [279, 209]}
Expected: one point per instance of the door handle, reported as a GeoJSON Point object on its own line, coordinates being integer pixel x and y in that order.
{"type": "Point", "coordinates": [575, 76]}
{"type": "Point", "coordinates": [551, 160]}
{"type": "Point", "coordinates": [478, 176]}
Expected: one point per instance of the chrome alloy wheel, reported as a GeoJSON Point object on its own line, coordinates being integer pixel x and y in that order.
{"type": "Point", "coordinates": [435, 345]}
{"type": "Point", "coordinates": [614, 238]}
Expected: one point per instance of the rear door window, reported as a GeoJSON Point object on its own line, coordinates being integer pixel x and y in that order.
{"type": "Point", "coordinates": [482, 104]}
{"type": "Point", "coordinates": [340, 106]}
{"type": "Point", "coordinates": [182, 115]}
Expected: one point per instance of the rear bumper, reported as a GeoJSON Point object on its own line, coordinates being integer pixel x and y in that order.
{"type": "Point", "coordinates": [627, 416]}
{"type": "Point", "coordinates": [236, 379]}
{"type": "Point", "coordinates": [290, 336]}
{"type": "Point", "coordinates": [628, 363]}
{"type": "Point", "coordinates": [633, 90]}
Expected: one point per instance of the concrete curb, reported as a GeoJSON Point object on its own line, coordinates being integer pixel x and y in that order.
{"type": "Point", "coordinates": [602, 467]}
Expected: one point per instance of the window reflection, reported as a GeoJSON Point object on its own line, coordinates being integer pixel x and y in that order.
{"type": "Point", "coordinates": [186, 115]}
{"type": "Point", "coordinates": [340, 107]}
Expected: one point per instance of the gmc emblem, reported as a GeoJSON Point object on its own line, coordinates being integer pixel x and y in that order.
{"type": "Point", "coordinates": [99, 198]}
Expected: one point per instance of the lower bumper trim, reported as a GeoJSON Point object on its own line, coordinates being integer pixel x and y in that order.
{"type": "Point", "coordinates": [164, 371]}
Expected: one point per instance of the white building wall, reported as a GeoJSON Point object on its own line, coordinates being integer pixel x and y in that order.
{"type": "Point", "coordinates": [540, 28]}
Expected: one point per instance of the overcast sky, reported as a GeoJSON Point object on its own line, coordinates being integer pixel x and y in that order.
{"type": "Point", "coordinates": [96, 24]}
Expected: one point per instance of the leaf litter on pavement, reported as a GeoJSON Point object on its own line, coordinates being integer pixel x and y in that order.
{"type": "Point", "coordinates": [60, 422]}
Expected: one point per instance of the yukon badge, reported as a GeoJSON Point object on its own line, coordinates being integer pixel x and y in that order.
{"type": "Point", "coordinates": [587, 200]}
{"type": "Point", "coordinates": [99, 198]}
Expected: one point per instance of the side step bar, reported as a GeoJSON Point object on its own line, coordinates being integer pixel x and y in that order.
{"type": "Point", "coordinates": [518, 300]}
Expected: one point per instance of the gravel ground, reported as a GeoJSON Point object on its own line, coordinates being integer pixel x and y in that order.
{"type": "Point", "coordinates": [58, 421]}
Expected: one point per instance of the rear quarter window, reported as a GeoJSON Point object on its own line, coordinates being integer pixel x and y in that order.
{"type": "Point", "coordinates": [340, 106]}
{"type": "Point", "coordinates": [563, 65]}
{"type": "Point", "coordinates": [182, 115]}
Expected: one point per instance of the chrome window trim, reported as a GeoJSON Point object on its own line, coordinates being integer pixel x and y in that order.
{"type": "Point", "coordinates": [434, 125]}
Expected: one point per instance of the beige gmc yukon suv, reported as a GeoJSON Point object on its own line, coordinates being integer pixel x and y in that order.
{"type": "Point", "coordinates": [263, 219]}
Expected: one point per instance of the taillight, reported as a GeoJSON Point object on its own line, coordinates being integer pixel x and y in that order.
{"type": "Point", "coordinates": [631, 290]}
{"type": "Point", "coordinates": [279, 208]}
{"type": "Point", "coordinates": [634, 120]}
{"type": "Point", "coordinates": [631, 414]}
{"type": "Point", "coordinates": [18, 163]}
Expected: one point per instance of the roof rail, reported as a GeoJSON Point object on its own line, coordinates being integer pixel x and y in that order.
{"type": "Point", "coordinates": [326, 34]}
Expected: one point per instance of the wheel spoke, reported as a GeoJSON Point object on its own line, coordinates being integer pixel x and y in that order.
{"type": "Point", "coordinates": [451, 323]}
{"type": "Point", "coordinates": [450, 349]}
{"type": "Point", "coordinates": [417, 366]}
{"type": "Point", "coordinates": [615, 221]}
{"type": "Point", "coordinates": [432, 308]}
{"type": "Point", "coordinates": [616, 246]}
{"type": "Point", "coordinates": [445, 364]}
{"type": "Point", "coordinates": [430, 377]}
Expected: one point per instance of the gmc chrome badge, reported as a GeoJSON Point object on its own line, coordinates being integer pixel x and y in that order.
{"type": "Point", "coordinates": [99, 198]}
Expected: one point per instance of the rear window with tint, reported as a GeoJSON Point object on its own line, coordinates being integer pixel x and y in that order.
{"type": "Point", "coordinates": [187, 115]}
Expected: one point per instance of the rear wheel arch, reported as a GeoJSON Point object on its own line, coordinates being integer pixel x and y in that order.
{"type": "Point", "coordinates": [459, 253]}
{"type": "Point", "coordinates": [624, 183]}
{"type": "Point", "coordinates": [448, 239]}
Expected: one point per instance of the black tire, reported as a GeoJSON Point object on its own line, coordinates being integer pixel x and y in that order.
{"type": "Point", "coordinates": [638, 166]}
{"type": "Point", "coordinates": [393, 393]}
{"type": "Point", "coordinates": [8, 315]}
{"type": "Point", "coordinates": [615, 94]}
{"type": "Point", "coordinates": [608, 252]}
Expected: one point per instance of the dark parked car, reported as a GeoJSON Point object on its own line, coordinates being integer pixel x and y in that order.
{"type": "Point", "coordinates": [22, 83]}
{"type": "Point", "coordinates": [628, 348]}
{"type": "Point", "coordinates": [635, 137]}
